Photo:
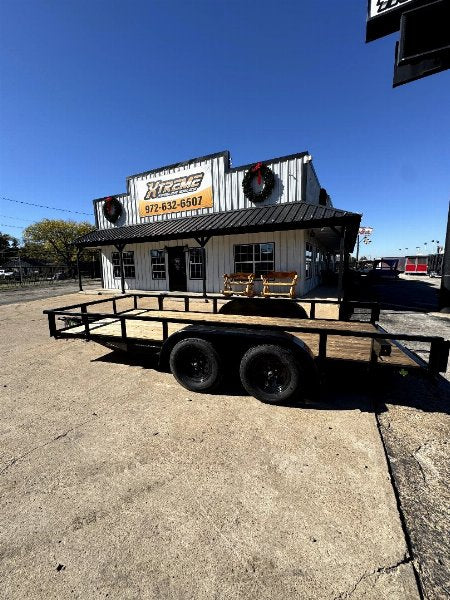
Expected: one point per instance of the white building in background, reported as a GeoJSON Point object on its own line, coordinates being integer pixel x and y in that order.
{"type": "Point", "coordinates": [182, 226]}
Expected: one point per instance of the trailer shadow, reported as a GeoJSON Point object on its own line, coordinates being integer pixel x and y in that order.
{"type": "Point", "coordinates": [343, 386]}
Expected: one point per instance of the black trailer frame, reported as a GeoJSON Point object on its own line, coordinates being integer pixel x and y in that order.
{"type": "Point", "coordinates": [439, 347]}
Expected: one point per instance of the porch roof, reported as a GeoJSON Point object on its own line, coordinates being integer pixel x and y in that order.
{"type": "Point", "coordinates": [279, 217]}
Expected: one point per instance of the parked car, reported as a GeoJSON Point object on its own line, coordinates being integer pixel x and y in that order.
{"type": "Point", "coordinates": [4, 274]}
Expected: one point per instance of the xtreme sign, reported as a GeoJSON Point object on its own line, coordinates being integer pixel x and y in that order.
{"type": "Point", "coordinates": [378, 7]}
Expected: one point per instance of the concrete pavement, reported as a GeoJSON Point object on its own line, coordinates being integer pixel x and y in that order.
{"type": "Point", "coordinates": [116, 482]}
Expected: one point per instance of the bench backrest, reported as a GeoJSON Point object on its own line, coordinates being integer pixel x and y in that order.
{"type": "Point", "coordinates": [273, 275]}
{"type": "Point", "coordinates": [240, 277]}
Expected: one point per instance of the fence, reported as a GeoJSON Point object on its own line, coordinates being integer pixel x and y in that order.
{"type": "Point", "coordinates": [42, 275]}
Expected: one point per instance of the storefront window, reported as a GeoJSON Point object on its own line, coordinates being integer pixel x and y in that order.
{"type": "Point", "coordinates": [158, 260]}
{"type": "Point", "coordinates": [308, 260]}
{"type": "Point", "coordinates": [195, 263]}
{"type": "Point", "coordinates": [128, 264]}
{"type": "Point", "coordinates": [254, 258]}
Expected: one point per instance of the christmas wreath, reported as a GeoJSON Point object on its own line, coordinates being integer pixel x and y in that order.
{"type": "Point", "coordinates": [264, 174]}
{"type": "Point", "coordinates": [112, 209]}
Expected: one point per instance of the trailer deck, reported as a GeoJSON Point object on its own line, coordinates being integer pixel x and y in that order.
{"type": "Point", "coordinates": [339, 347]}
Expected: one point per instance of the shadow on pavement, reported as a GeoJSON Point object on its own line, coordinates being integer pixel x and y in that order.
{"type": "Point", "coordinates": [344, 386]}
{"type": "Point", "coordinates": [399, 294]}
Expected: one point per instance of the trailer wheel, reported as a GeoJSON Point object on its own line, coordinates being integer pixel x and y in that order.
{"type": "Point", "coordinates": [271, 374]}
{"type": "Point", "coordinates": [195, 364]}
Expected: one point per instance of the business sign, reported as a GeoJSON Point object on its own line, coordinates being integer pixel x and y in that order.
{"type": "Point", "coordinates": [365, 230]}
{"type": "Point", "coordinates": [383, 16]}
{"type": "Point", "coordinates": [186, 190]}
{"type": "Point", "coordinates": [383, 7]}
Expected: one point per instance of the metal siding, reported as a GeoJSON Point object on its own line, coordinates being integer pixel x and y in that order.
{"type": "Point", "coordinates": [227, 191]}
{"type": "Point", "coordinates": [312, 185]}
{"type": "Point", "coordinates": [289, 256]}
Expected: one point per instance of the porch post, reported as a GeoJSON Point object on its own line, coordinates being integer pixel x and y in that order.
{"type": "Point", "coordinates": [341, 266]}
{"type": "Point", "coordinates": [80, 284]}
{"type": "Point", "coordinates": [204, 271]}
{"type": "Point", "coordinates": [120, 248]}
{"type": "Point", "coordinates": [202, 243]}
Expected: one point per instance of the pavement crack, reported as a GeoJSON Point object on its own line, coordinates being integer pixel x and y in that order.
{"type": "Point", "coordinates": [58, 437]}
{"type": "Point", "coordinates": [422, 460]}
{"type": "Point", "coordinates": [375, 573]}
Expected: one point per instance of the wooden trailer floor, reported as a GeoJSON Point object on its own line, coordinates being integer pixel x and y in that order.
{"type": "Point", "coordinates": [338, 347]}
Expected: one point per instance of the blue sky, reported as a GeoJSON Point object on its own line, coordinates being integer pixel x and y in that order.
{"type": "Point", "coordinates": [93, 91]}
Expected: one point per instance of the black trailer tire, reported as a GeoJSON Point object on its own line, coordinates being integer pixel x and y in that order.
{"type": "Point", "coordinates": [195, 364]}
{"type": "Point", "coordinates": [271, 374]}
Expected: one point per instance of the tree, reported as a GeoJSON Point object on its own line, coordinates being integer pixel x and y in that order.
{"type": "Point", "coordinates": [53, 239]}
{"type": "Point", "coordinates": [8, 245]}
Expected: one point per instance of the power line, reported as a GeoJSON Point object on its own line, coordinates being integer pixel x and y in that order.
{"type": "Point", "coordinates": [48, 207]}
{"type": "Point", "coordinates": [15, 218]}
{"type": "Point", "coordinates": [15, 226]}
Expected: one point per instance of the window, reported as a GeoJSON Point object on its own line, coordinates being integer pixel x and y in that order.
{"type": "Point", "coordinates": [158, 260]}
{"type": "Point", "coordinates": [196, 263]}
{"type": "Point", "coordinates": [308, 260]}
{"type": "Point", "coordinates": [254, 258]}
{"type": "Point", "coordinates": [128, 264]}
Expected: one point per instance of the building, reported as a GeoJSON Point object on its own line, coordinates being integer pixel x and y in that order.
{"type": "Point", "coordinates": [183, 226]}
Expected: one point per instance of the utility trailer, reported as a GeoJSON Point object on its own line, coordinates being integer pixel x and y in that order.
{"type": "Point", "coordinates": [277, 347]}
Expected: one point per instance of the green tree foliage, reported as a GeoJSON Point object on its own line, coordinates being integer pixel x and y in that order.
{"type": "Point", "coordinates": [52, 240]}
{"type": "Point", "coordinates": [8, 245]}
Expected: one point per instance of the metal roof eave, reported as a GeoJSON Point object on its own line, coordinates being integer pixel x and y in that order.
{"type": "Point", "coordinates": [241, 221]}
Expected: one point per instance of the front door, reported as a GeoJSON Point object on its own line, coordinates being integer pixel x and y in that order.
{"type": "Point", "coordinates": [177, 269]}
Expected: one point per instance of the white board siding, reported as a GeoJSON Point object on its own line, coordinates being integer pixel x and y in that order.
{"type": "Point", "coordinates": [289, 256]}
{"type": "Point", "coordinates": [312, 185]}
{"type": "Point", "coordinates": [227, 190]}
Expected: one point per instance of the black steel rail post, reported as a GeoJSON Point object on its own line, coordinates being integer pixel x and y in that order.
{"type": "Point", "coordinates": [52, 324]}
{"type": "Point", "coordinates": [375, 313]}
{"type": "Point", "coordinates": [373, 355]}
{"type": "Point", "coordinates": [322, 346]}
{"type": "Point", "coordinates": [85, 320]}
{"type": "Point", "coordinates": [438, 358]}
{"type": "Point", "coordinates": [123, 330]}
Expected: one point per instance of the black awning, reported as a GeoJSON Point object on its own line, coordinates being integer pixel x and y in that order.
{"type": "Point", "coordinates": [289, 215]}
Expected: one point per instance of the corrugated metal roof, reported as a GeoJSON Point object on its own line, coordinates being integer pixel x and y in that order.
{"type": "Point", "coordinates": [292, 215]}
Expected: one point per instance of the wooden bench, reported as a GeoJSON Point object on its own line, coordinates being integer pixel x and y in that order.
{"type": "Point", "coordinates": [279, 279]}
{"type": "Point", "coordinates": [238, 284]}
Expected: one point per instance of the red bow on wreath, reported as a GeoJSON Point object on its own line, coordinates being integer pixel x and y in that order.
{"type": "Point", "coordinates": [108, 203]}
{"type": "Point", "coordinates": [257, 169]}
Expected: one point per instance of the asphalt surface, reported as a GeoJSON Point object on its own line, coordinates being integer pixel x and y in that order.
{"type": "Point", "coordinates": [117, 482]}
{"type": "Point", "coordinates": [30, 292]}
{"type": "Point", "coordinates": [413, 416]}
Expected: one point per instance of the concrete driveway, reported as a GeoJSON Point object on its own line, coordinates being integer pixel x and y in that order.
{"type": "Point", "coordinates": [116, 482]}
